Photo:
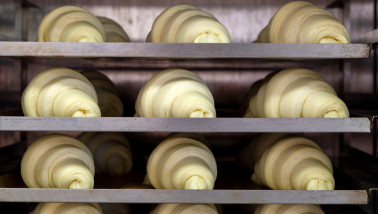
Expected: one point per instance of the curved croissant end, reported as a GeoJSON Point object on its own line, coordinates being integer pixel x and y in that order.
{"type": "Point", "coordinates": [293, 162]}
{"type": "Point", "coordinates": [60, 92]}
{"type": "Point", "coordinates": [58, 161]}
{"type": "Point", "coordinates": [175, 93]}
{"type": "Point", "coordinates": [182, 163]}
{"type": "Point", "coordinates": [70, 24]}
{"type": "Point", "coordinates": [303, 22]}
{"type": "Point", "coordinates": [294, 93]}
{"type": "Point", "coordinates": [187, 24]}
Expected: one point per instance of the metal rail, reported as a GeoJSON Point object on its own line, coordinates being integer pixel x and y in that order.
{"type": "Point", "coordinates": [135, 124]}
{"type": "Point", "coordinates": [186, 51]}
{"type": "Point", "coordinates": [185, 196]}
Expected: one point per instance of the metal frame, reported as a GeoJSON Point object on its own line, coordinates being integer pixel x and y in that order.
{"type": "Point", "coordinates": [185, 196]}
{"type": "Point", "coordinates": [186, 51]}
{"type": "Point", "coordinates": [140, 124]}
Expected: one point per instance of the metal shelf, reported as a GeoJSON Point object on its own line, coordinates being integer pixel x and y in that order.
{"type": "Point", "coordinates": [186, 51]}
{"type": "Point", "coordinates": [140, 124]}
{"type": "Point", "coordinates": [184, 196]}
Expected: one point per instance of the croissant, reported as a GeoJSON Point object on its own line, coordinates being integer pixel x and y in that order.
{"type": "Point", "coordinates": [114, 31]}
{"type": "Point", "coordinates": [294, 93]}
{"type": "Point", "coordinates": [111, 152]}
{"type": "Point", "coordinates": [70, 24]}
{"type": "Point", "coordinates": [67, 208]}
{"type": "Point", "coordinates": [175, 93]}
{"type": "Point", "coordinates": [108, 98]}
{"type": "Point", "coordinates": [187, 24]}
{"type": "Point", "coordinates": [303, 22]}
{"type": "Point", "coordinates": [292, 163]}
{"type": "Point", "coordinates": [58, 161]}
{"type": "Point", "coordinates": [182, 163]}
{"type": "Point", "coordinates": [60, 92]}
{"type": "Point", "coordinates": [253, 151]}
{"type": "Point", "coordinates": [288, 208]}
{"type": "Point", "coordinates": [184, 209]}
{"type": "Point", "coordinates": [191, 135]}
{"type": "Point", "coordinates": [148, 38]}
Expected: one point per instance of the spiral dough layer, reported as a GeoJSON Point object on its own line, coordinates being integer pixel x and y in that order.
{"type": "Point", "coordinates": [60, 92]}
{"type": "Point", "coordinates": [295, 93]}
{"type": "Point", "coordinates": [291, 163]}
{"type": "Point", "coordinates": [58, 161]}
{"type": "Point", "coordinates": [182, 163]}
{"type": "Point", "coordinates": [187, 24]}
{"type": "Point", "coordinates": [70, 24]}
{"type": "Point", "coordinates": [303, 22]}
{"type": "Point", "coordinates": [175, 93]}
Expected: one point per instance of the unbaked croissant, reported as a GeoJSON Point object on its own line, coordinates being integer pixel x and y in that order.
{"type": "Point", "coordinates": [303, 22]}
{"type": "Point", "coordinates": [182, 163]}
{"type": "Point", "coordinates": [294, 93]}
{"type": "Point", "coordinates": [114, 31]}
{"type": "Point", "coordinates": [184, 209]}
{"type": "Point", "coordinates": [67, 208]}
{"type": "Point", "coordinates": [60, 92]}
{"type": "Point", "coordinates": [292, 162]}
{"type": "Point", "coordinates": [191, 135]}
{"type": "Point", "coordinates": [108, 98]}
{"type": "Point", "coordinates": [253, 151]}
{"type": "Point", "coordinates": [187, 24]}
{"type": "Point", "coordinates": [111, 152]}
{"type": "Point", "coordinates": [175, 93]}
{"type": "Point", "coordinates": [70, 24]}
{"type": "Point", "coordinates": [58, 161]}
{"type": "Point", "coordinates": [288, 209]}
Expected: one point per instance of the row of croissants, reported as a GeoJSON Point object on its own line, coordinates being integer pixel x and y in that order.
{"type": "Point", "coordinates": [182, 161]}
{"type": "Point", "coordinates": [290, 93]}
{"type": "Point", "coordinates": [294, 22]}
{"type": "Point", "coordinates": [94, 208]}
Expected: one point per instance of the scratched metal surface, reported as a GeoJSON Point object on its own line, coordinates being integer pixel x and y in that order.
{"type": "Point", "coordinates": [185, 196]}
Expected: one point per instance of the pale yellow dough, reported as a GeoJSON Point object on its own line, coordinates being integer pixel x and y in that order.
{"type": "Point", "coordinates": [295, 93]}
{"type": "Point", "coordinates": [60, 92]}
{"type": "Point", "coordinates": [185, 209]}
{"type": "Point", "coordinates": [58, 161]}
{"type": "Point", "coordinates": [114, 31]}
{"type": "Point", "coordinates": [175, 93]}
{"type": "Point", "coordinates": [70, 24]}
{"type": "Point", "coordinates": [108, 98]}
{"type": "Point", "coordinates": [182, 163]}
{"type": "Point", "coordinates": [287, 162]}
{"type": "Point", "coordinates": [303, 22]}
{"type": "Point", "coordinates": [187, 24]}
{"type": "Point", "coordinates": [111, 152]}
{"type": "Point", "coordinates": [288, 209]}
{"type": "Point", "coordinates": [67, 208]}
